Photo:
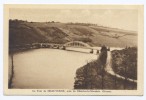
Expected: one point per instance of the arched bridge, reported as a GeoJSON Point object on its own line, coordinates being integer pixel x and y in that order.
{"type": "Point", "coordinates": [77, 44]}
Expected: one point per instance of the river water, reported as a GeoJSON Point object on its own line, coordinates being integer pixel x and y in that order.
{"type": "Point", "coordinates": [47, 68]}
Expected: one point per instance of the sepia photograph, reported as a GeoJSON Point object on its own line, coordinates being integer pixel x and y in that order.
{"type": "Point", "coordinates": [73, 49]}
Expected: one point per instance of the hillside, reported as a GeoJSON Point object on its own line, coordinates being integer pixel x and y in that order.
{"type": "Point", "coordinates": [23, 32]}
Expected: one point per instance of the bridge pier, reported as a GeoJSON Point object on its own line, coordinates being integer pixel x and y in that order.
{"type": "Point", "coordinates": [57, 47]}
{"type": "Point", "coordinates": [97, 52]}
{"type": "Point", "coordinates": [64, 48]}
{"type": "Point", "coordinates": [91, 51]}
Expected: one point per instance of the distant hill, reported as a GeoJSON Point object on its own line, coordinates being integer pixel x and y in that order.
{"type": "Point", "coordinates": [23, 32]}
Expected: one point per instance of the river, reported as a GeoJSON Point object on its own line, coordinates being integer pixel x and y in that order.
{"type": "Point", "coordinates": [47, 68]}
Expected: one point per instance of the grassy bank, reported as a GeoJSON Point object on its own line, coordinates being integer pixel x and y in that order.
{"type": "Point", "coordinates": [92, 76]}
{"type": "Point", "coordinates": [124, 62]}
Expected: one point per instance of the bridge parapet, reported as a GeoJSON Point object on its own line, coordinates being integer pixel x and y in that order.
{"type": "Point", "coordinates": [77, 44]}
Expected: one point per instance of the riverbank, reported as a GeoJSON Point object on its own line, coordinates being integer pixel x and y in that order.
{"type": "Point", "coordinates": [92, 76]}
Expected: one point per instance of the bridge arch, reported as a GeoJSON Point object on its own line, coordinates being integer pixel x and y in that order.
{"type": "Point", "coordinates": [77, 44]}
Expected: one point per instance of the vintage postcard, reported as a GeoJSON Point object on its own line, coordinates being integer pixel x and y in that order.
{"type": "Point", "coordinates": [73, 49]}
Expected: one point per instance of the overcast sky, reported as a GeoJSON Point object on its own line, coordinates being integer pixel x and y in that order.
{"type": "Point", "coordinates": [117, 18]}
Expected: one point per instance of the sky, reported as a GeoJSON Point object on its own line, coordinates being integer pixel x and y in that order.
{"type": "Point", "coordinates": [117, 18]}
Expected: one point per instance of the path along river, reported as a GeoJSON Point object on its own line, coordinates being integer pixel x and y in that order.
{"type": "Point", "coordinates": [109, 69]}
